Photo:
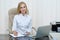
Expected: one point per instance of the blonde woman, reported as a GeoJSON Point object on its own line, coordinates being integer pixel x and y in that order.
{"type": "Point", "coordinates": [22, 25]}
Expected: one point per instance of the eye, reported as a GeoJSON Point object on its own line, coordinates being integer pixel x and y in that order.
{"type": "Point", "coordinates": [21, 7]}
{"type": "Point", "coordinates": [24, 6]}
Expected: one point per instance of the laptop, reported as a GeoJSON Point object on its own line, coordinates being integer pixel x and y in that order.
{"type": "Point", "coordinates": [43, 31]}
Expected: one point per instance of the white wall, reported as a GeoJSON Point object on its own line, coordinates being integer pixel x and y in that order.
{"type": "Point", "coordinates": [42, 11]}
{"type": "Point", "coordinates": [5, 5]}
{"type": "Point", "coordinates": [46, 12]}
{"type": "Point", "coordinates": [58, 11]}
{"type": "Point", "coordinates": [2, 18]}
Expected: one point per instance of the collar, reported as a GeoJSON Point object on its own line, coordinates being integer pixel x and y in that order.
{"type": "Point", "coordinates": [22, 14]}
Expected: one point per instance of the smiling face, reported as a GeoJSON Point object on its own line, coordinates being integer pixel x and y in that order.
{"type": "Point", "coordinates": [23, 8]}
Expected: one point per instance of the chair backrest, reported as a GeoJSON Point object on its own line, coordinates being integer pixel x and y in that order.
{"type": "Point", "coordinates": [11, 14]}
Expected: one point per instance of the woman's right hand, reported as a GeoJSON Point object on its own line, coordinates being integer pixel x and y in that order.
{"type": "Point", "coordinates": [15, 33]}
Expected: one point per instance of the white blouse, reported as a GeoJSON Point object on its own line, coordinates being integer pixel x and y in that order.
{"type": "Point", "coordinates": [22, 24]}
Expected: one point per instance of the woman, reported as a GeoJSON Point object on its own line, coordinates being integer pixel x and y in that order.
{"type": "Point", "coordinates": [22, 25]}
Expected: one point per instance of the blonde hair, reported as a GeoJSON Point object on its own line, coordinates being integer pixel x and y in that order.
{"type": "Point", "coordinates": [19, 7]}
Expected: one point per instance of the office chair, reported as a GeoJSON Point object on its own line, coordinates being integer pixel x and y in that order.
{"type": "Point", "coordinates": [11, 13]}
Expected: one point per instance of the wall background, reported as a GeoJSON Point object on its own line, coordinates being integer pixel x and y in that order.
{"type": "Point", "coordinates": [5, 5]}
{"type": "Point", "coordinates": [42, 11]}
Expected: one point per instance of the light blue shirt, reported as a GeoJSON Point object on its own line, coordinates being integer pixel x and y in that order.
{"type": "Point", "coordinates": [22, 24]}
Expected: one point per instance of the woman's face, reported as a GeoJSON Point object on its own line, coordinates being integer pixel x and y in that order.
{"type": "Point", "coordinates": [23, 8]}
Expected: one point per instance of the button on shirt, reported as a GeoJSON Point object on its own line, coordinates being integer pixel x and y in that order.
{"type": "Point", "coordinates": [22, 24]}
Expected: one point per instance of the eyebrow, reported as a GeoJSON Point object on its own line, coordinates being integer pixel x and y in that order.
{"type": "Point", "coordinates": [24, 6]}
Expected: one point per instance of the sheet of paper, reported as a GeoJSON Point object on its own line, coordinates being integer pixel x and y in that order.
{"type": "Point", "coordinates": [16, 36]}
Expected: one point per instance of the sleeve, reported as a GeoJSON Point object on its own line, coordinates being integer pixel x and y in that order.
{"type": "Point", "coordinates": [30, 26]}
{"type": "Point", "coordinates": [14, 24]}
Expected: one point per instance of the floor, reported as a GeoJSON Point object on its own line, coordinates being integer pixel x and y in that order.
{"type": "Point", "coordinates": [4, 37]}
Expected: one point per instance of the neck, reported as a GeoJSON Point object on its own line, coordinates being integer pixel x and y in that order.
{"type": "Point", "coordinates": [23, 14]}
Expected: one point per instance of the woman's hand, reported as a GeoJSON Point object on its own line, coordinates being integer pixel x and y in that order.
{"type": "Point", "coordinates": [15, 33]}
{"type": "Point", "coordinates": [27, 33]}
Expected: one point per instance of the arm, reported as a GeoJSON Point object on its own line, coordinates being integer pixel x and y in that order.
{"type": "Point", "coordinates": [14, 26]}
{"type": "Point", "coordinates": [29, 28]}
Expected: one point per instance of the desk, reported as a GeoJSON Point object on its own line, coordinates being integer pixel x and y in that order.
{"type": "Point", "coordinates": [54, 36]}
